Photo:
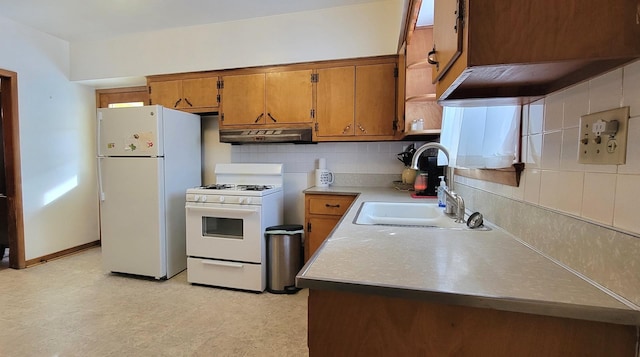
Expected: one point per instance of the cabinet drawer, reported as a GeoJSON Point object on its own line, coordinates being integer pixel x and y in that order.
{"type": "Point", "coordinates": [336, 205]}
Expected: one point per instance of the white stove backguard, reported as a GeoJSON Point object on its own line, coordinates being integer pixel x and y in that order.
{"type": "Point", "coordinates": [249, 174]}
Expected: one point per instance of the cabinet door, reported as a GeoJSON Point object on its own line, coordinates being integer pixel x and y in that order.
{"type": "Point", "coordinates": [320, 226]}
{"type": "Point", "coordinates": [199, 92]}
{"type": "Point", "coordinates": [166, 93]}
{"type": "Point", "coordinates": [289, 97]}
{"type": "Point", "coordinates": [243, 99]}
{"type": "Point", "coordinates": [335, 104]}
{"type": "Point", "coordinates": [375, 99]}
{"type": "Point", "coordinates": [447, 35]}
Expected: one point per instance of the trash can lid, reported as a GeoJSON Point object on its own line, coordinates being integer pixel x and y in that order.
{"type": "Point", "coordinates": [285, 229]}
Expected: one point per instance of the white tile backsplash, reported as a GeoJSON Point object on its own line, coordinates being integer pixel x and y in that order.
{"type": "Point", "coordinates": [605, 91]}
{"type": "Point", "coordinates": [536, 117]}
{"type": "Point", "coordinates": [625, 214]}
{"type": "Point", "coordinates": [576, 104]}
{"type": "Point", "coordinates": [632, 165]}
{"type": "Point", "coordinates": [569, 153]}
{"type": "Point", "coordinates": [599, 197]}
{"type": "Point", "coordinates": [553, 112]}
{"type": "Point", "coordinates": [532, 185]}
{"type": "Point", "coordinates": [551, 149]}
{"type": "Point", "coordinates": [631, 88]}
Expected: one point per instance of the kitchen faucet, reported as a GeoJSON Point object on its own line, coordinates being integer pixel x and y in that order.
{"type": "Point", "coordinates": [452, 198]}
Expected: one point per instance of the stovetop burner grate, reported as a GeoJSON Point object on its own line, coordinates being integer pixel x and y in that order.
{"type": "Point", "coordinates": [254, 187]}
{"type": "Point", "coordinates": [230, 187]}
{"type": "Point", "coordinates": [217, 186]}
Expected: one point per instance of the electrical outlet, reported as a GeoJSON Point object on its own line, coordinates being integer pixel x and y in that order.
{"type": "Point", "coordinates": [603, 137]}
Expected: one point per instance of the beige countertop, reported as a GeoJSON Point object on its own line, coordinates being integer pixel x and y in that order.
{"type": "Point", "coordinates": [489, 269]}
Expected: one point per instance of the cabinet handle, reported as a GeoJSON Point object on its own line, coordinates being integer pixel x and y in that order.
{"type": "Point", "coordinates": [363, 130]}
{"type": "Point", "coordinates": [259, 117]}
{"type": "Point", "coordinates": [431, 56]}
{"type": "Point", "coordinates": [177, 102]}
{"type": "Point", "coordinates": [272, 118]}
{"type": "Point", "coordinates": [332, 206]}
{"type": "Point", "coordinates": [188, 102]}
{"type": "Point", "coordinates": [346, 129]}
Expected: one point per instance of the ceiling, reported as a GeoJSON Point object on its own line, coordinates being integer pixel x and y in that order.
{"type": "Point", "coordinates": [80, 20]}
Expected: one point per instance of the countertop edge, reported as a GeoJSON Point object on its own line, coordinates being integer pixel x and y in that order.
{"type": "Point", "coordinates": [561, 310]}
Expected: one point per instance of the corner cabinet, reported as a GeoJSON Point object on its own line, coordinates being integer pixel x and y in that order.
{"type": "Point", "coordinates": [511, 53]}
{"type": "Point", "coordinates": [194, 95]}
{"type": "Point", "coordinates": [356, 102]}
{"type": "Point", "coordinates": [419, 100]}
{"type": "Point", "coordinates": [322, 213]}
{"type": "Point", "coordinates": [274, 98]}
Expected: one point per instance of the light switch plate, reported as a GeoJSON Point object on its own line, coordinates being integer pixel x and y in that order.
{"type": "Point", "coordinates": [608, 147]}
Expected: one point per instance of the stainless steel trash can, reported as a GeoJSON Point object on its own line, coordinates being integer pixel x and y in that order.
{"type": "Point", "coordinates": [284, 258]}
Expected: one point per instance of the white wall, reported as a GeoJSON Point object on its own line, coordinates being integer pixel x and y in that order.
{"type": "Point", "coordinates": [56, 119]}
{"type": "Point", "coordinates": [344, 32]}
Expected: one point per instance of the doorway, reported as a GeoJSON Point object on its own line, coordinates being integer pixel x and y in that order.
{"type": "Point", "coordinates": [11, 211]}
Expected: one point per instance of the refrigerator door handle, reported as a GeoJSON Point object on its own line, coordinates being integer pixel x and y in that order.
{"type": "Point", "coordinates": [101, 192]}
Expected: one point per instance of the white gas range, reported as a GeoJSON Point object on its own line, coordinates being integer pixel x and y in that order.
{"type": "Point", "coordinates": [226, 223]}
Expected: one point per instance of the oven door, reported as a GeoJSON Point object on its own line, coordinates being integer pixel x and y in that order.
{"type": "Point", "coordinates": [224, 231]}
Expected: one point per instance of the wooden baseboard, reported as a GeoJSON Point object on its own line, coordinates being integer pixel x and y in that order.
{"type": "Point", "coordinates": [60, 254]}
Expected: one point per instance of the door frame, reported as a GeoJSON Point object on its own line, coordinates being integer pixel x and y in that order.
{"type": "Point", "coordinates": [11, 139]}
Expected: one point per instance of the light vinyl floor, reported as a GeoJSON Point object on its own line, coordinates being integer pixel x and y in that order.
{"type": "Point", "coordinates": [70, 307]}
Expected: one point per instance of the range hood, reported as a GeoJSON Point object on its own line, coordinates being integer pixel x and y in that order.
{"type": "Point", "coordinates": [272, 135]}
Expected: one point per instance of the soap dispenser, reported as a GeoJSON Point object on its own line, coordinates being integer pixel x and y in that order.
{"type": "Point", "coordinates": [442, 199]}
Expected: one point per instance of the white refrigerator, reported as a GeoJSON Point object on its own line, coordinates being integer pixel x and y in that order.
{"type": "Point", "coordinates": [147, 158]}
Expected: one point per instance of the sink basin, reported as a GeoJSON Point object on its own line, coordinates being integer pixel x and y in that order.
{"type": "Point", "coordinates": [405, 214]}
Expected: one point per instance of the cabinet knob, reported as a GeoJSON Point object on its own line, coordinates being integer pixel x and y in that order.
{"type": "Point", "coordinates": [431, 58]}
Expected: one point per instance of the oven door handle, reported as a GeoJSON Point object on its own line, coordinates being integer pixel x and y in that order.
{"type": "Point", "coordinates": [222, 210]}
{"type": "Point", "coordinates": [222, 264]}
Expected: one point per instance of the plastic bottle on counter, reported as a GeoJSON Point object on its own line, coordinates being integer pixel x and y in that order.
{"type": "Point", "coordinates": [442, 200]}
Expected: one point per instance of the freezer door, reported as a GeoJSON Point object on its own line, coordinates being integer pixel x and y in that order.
{"type": "Point", "coordinates": [132, 216]}
{"type": "Point", "coordinates": [130, 131]}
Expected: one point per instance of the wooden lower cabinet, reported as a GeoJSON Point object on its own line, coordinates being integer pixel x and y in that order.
{"type": "Point", "coordinates": [322, 213]}
{"type": "Point", "coordinates": [352, 324]}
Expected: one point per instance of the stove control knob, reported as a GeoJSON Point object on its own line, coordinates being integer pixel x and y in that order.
{"type": "Point", "coordinates": [203, 199]}
{"type": "Point", "coordinates": [221, 198]}
{"type": "Point", "coordinates": [196, 198]}
{"type": "Point", "coordinates": [247, 201]}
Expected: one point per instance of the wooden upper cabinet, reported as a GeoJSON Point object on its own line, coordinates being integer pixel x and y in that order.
{"type": "Point", "coordinates": [517, 52]}
{"type": "Point", "coordinates": [200, 92]}
{"type": "Point", "coordinates": [375, 99]}
{"type": "Point", "coordinates": [166, 93]}
{"type": "Point", "coordinates": [289, 97]}
{"type": "Point", "coordinates": [335, 101]}
{"type": "Point", "coordinates": [243, 99]}
{"type": "Point", "coordinates": [356, 102]}
{"type": "Point", "coordinates": [272, 98]}
{"type": "Point", "coordinates": [195, 95]}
